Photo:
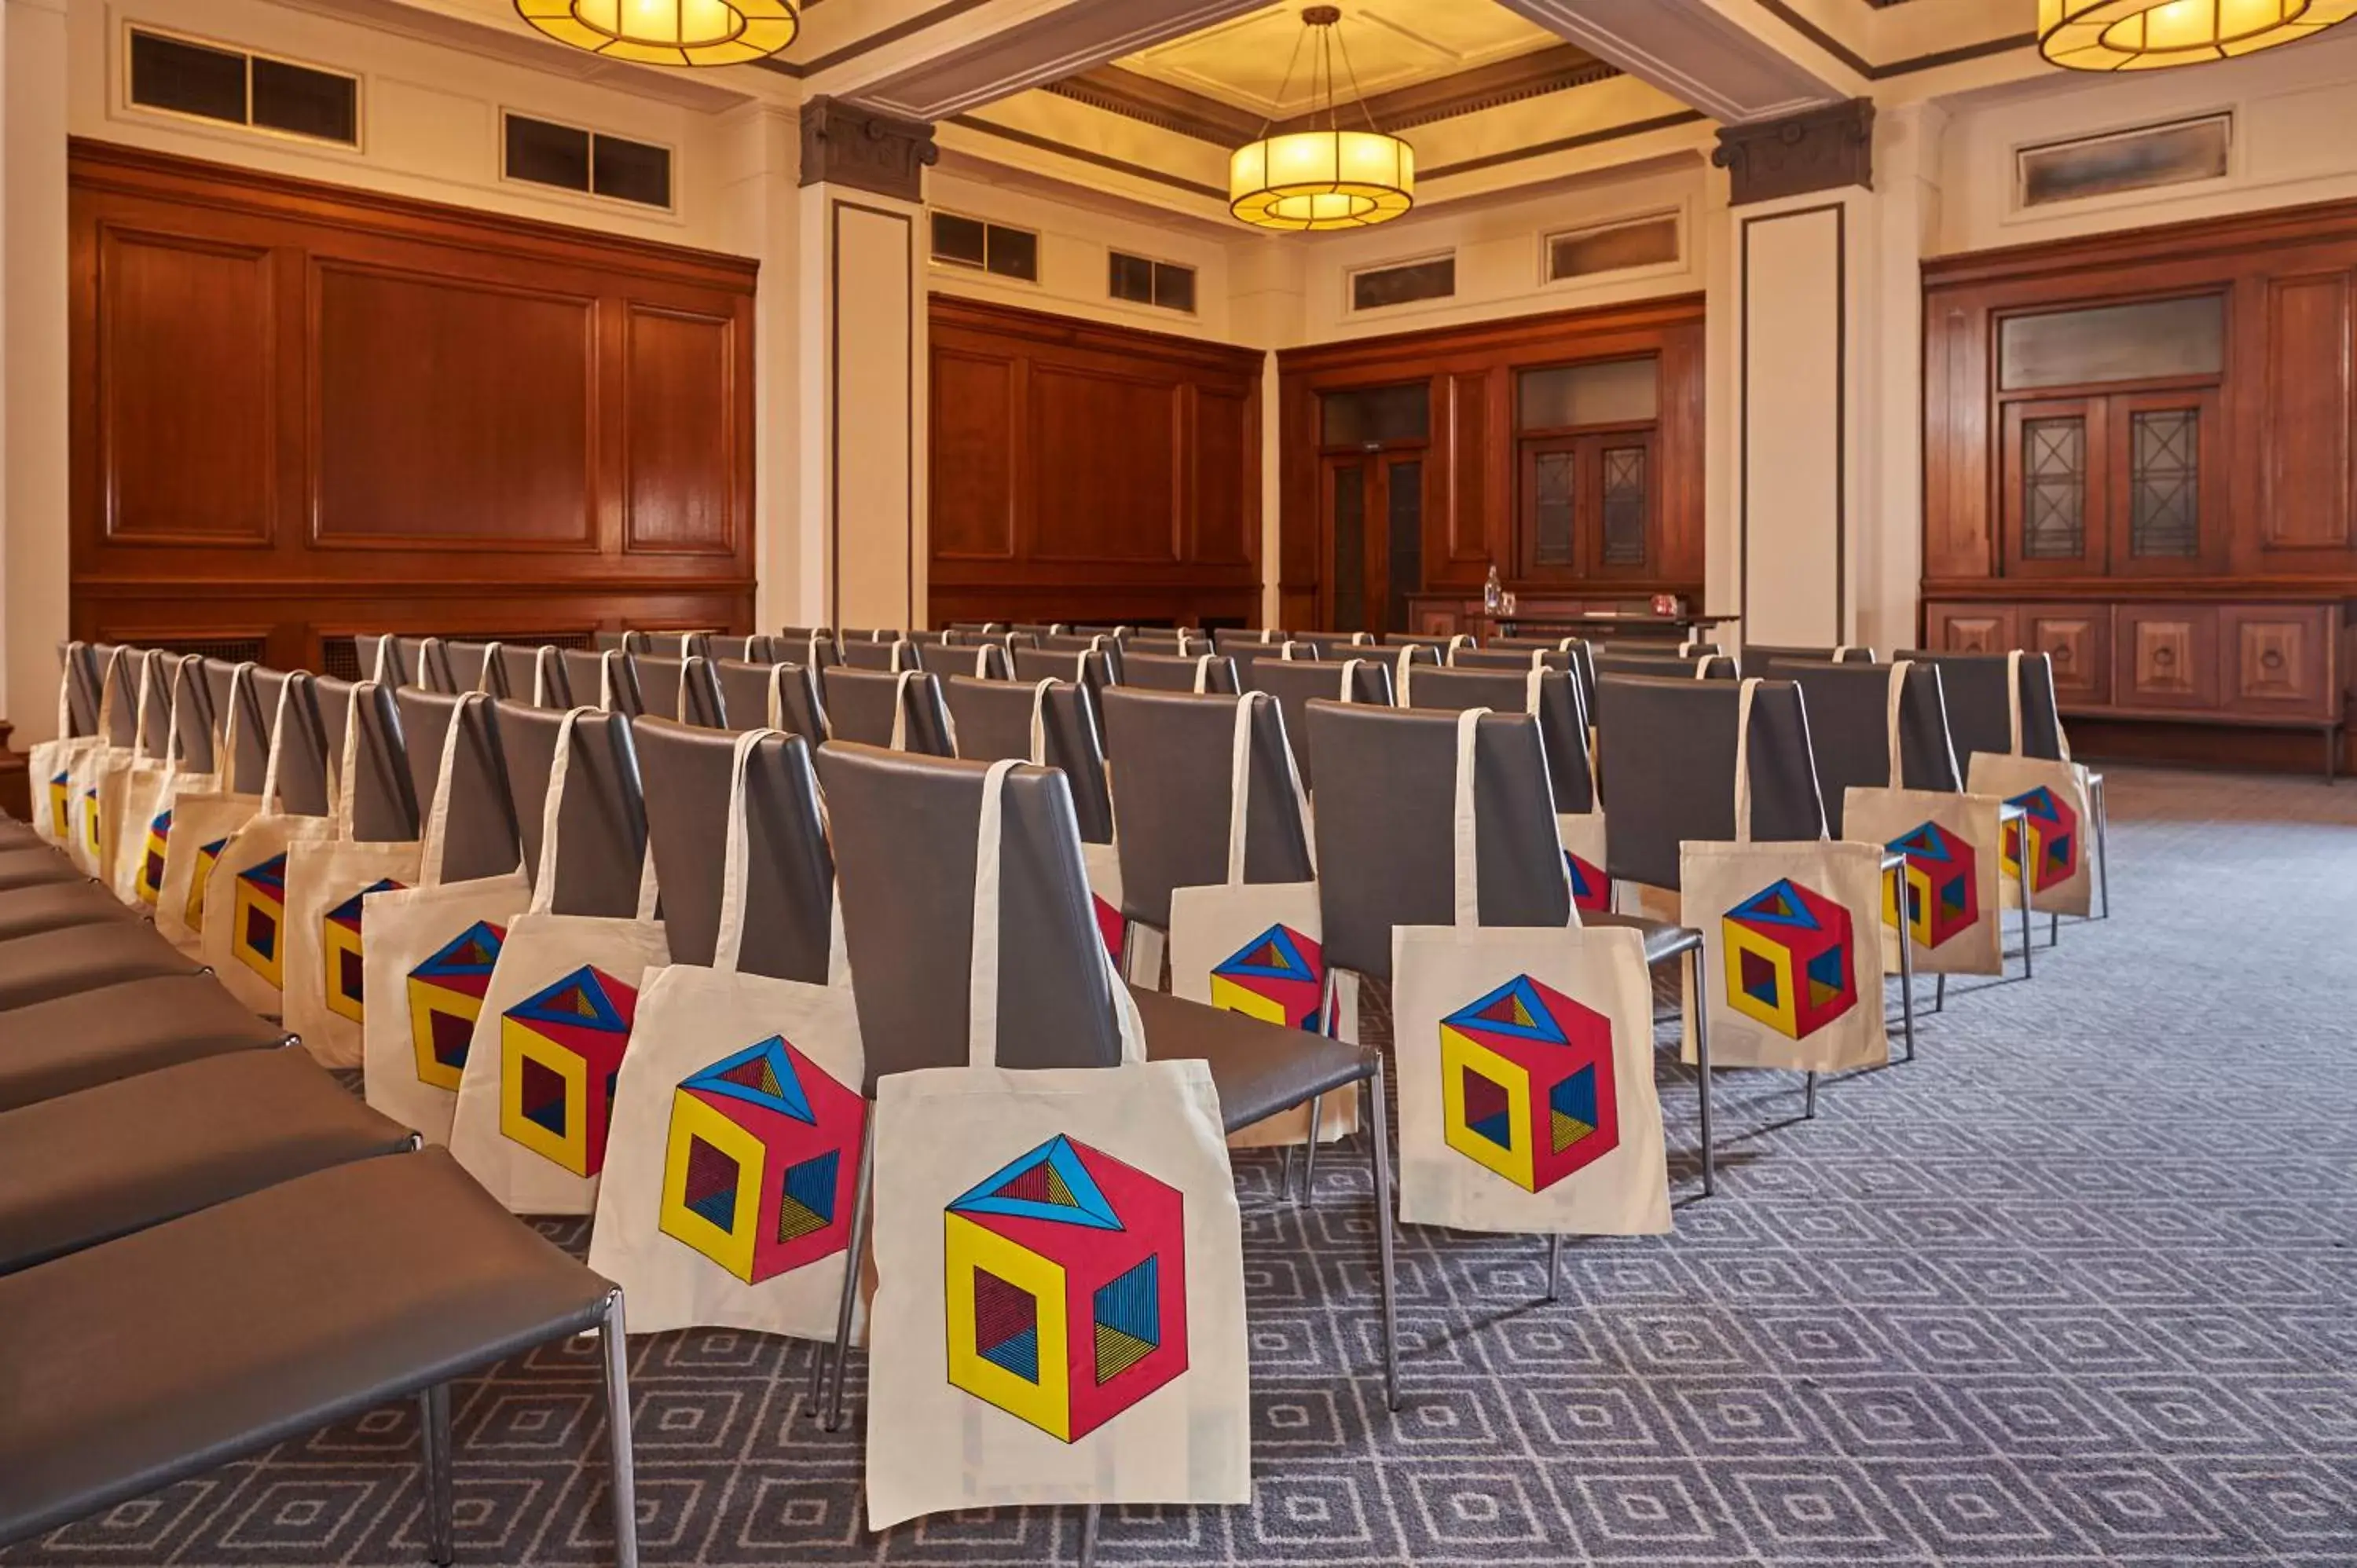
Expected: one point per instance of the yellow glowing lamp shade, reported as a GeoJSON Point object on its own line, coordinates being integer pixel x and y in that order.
{"type": "Point", "coordinates": [1322, 179]}
{"type": "Point", "coordinates": [668, 32]}
{"type": "Point", "coordinates": [2147, 34]}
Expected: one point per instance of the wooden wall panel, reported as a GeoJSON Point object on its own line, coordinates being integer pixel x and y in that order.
{"type": "Point", "coordinates": [682, 370]}
{"type": "Point", "coordinates": [300, 410]}
{"type": "Point", "coordinates": [2306, 427]}
{"type": "Point", "coordinates": [449, 411]}
{"type": "Point", "coordinates": [1086, 472]}
{"type": "Point", "coordinates": [1465, 525]}
{"type": "Point", "coordinates": [200, 450]}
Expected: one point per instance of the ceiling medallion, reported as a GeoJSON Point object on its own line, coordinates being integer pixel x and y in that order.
{"type": "Point", "coordinates": [1326, 176]}
{"type": "Point", "coordinates": [2147, 34]}
{"type": "Point", "coordinates": [668, 32]}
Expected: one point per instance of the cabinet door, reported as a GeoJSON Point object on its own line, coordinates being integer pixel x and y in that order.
{"type": "Point", "coordinates": [1969, 628]}
{"type": "Point", "coordinates": [2078, 640]}
{"type": "Point", "coordinates": [2054, 498]}
{"type": "Point", "coordinates": [2167, 656]}
{"type": "Point", "coordinates": [2277, 659]}
{"type": "Point", "coordinates": [2168, 486]}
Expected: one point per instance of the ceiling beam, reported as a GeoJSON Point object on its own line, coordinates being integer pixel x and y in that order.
{"type": "Point", "coordinates": [1718, 56]}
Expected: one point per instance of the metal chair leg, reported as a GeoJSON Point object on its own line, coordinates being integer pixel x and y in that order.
{"type": "Point", "coordinates": [1380, 1117]}
{"type": "Point", "coordinates": [1809, 1105]}
{"type": "Point", "coordinates": [1906, 988]}
{"type": "Point", "coordinates": [434, 1424]}
{"type": "Point", "coordinates": [1555, 1268]}
{"type": "Point", "coordinates": [2021, 872]}
{"type": "Point", "coordinates": [618, 1434]}
{"type": "Point", "coordinates": [1698, 1010]}
{"type": "Point", "coordinates": [1089, 1525]}
{"type": "Point", "coordinates": [1940, 997]}
{"type": "Point", "coordinates": [1309, 1152]}
{"type": "Point", "coordinates": [858, 1254]}
{"type": "Point", "coordinates": [2054, 929]}
{"type": "Point", "coordinates": [1285, 1177]}
{"type": "Point", "coordinates": [2103, 835]}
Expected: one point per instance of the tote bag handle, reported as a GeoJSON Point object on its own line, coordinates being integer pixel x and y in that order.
{"type": "Point", "coordinates": [1743, 761]}
{"type": "Point", "coordinates": [1466, 878]}
{"type": "Point", "coordinates": [147, 663]}
{"type": "Point", "coordinates": [437, 838]}
{"type": "Point", "coordinates": [184, 670]}
{"type": "Point", "coordinates": [240, 683]}
{"type": "Point", "coordinates": [1039, 690]}
{"type": "Point", "coordinates": [545, 660]}
{"type": "Point", "coordinates": [1350, 692]}
{"type": "Point", "coordinates": [560, 767]}
{"type": "Point", "coordinates": [900, 741]}
{"type": "Point", "coordinates": [2013, 701]}
{"type": "Point", "coordinates": [347, 774]}
{"type": "Point", "coordinates": [1890, 721]}
{"type": "Point", "coordinates": [270, 802]}
{"type": "Point", "coordinates": [736, 856]}
{"type": "Point", "coordinates": [982, 976]}
{"type": "Point", "coordinates": [65, 689]}
{"type": "Point", "coordinates": [1202, 671]}
{"type": "Point", "coordinates": [106, 694]}
{"type": "Point", "coordinates": [491, 651]}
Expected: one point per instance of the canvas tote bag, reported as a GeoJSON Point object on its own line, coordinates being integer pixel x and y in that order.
{"type": "Point", "coordinates": [1525, 1065]}
{"type": "Point", "coordinates": [206, 813]}
{"type": "Point", "coordinates": [50, 762]}
{"type": "Point", "coordinates": [1953, 843]}
{"type": "Point", "coordinates": [124, 786]}
{"type": "Point", "coordinates": [245, 934]}
{"type": "Point", "coordinates": [429, 961]}
{"type": "Point", "coordinates": [734, 1153]}
{"type": "Point", "coordinates": [1254, 948]}
{"type": "Point", "coordinates": [1060, 1312]}
{"type": "Point", "coordinates": [148, 799]}
{"type": "Point", "coordinates": [1100, 862]}
{"type": "Point", "coordinates": [328, 881]}
{"type": "Point", "coordinates": [94, 782]}
{"type": "Point", "coordinates": [1789, 976]}
{"type": "Point", "coordinates": [536, 1096]}
{"type": "Point", "coordinates": [2053, 798]}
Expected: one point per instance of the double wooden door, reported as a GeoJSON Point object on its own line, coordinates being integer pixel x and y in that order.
{"type": "Point", "coordinates": [1373, 507]}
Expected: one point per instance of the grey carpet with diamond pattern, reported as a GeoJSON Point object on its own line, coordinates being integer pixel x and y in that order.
{"type": "Point", "coordinates": [2074, 1287]}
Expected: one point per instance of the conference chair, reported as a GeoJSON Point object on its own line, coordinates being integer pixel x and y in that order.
{"type": "Point", "coordinates": [1296, 684]}
{"type": "Point", "coordinates": [904, 833]}
{"type": "Point", "coordinates": [1665, 665]}
{"type": "Point", "coordinates": [981, 660]}
{"type": "Point", "coordinates": [771, 696]}
{"type": "Point", "coordinates": [533, 673]}
{"type": "Point", "coordinates": [1172, 672]}
{"type": "Point", "coordinates": [192, 713]}
{"type": "Point", "coordinates": [1341, 644]}
{"type": "Point", "coordinates": [994, 722]}
{"type": "Point", "coordinates": [476, 667]}
{"type": "Point", "coordinates": [812, 645]}
{"type": "Point", "coordinates": [757, 649]}
{"type": "Point", "coordinates": [1563, 723]}
{"type": "Point", "coordinates": [384, 798]}
{"type": "Point", "coordinates": [1386, 849]}
{"type": "Point", "coordinates": [859, 653]}
{"type": "Point", "coordinates": [1242, 642]}
{"type": "Point", "coordinates": [789, 885]}
{"type": "Point", "coordinates": [425, 661]}
{"type": "Point", "coordinates": [481, 836]}
{"type": "Point", "coordinates": [602, 819]}
{"type": "Point", "coordinates": [1179, 643]}
{"type": "Point", "coordinates": [681, 689]}
{"type": "Point", "coordinates": [1497, 657]}
{"type": "Point", "coordinates": [1758, 655]}
{"type": "Point", "coordinates": [601, 678]}
{"type": "Point", "coordinates": [227, 690]}
{"type": "Point", "coordinates": [861, 705]}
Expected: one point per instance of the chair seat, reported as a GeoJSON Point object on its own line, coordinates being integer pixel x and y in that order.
{"type": "Point", "coordinates": [85, 1169]}
{"type": "Point", "coordinates": [53, 906]}
{"type": "Point", "coordinates": [77, 1042]}
{"type": "Point", "coordinates": [56, 964]}
{"type": "Point", "coordinates": [15, 834]}
{"type": "Point", "coordinates": [169, 1352]}
{"type": "Point", "coordinates": [1259, 1068]}
{"type": "Point", "coordinates": [1664, 940]}
{"type": "Point", "coordinates": [30, 865]}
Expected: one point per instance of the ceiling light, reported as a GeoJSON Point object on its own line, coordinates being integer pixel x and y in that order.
{"type": "Point", "coordinates": [668, 32]}
{"type": "Point", "coordinates": [1326, 176]}
{"type": "Point", "coordinates": [2144, 35]}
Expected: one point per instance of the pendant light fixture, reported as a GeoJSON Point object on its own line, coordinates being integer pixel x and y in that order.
{"type": "Point", "coordinates": [2147, 34]}
{"type": "Point", "coordinates": [668, 32]}
{"type": "Point", "coordinates": [1326, 177]}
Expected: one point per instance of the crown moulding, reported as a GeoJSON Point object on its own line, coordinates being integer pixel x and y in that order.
{"type": "Point", "coordinates": [1817, 149]}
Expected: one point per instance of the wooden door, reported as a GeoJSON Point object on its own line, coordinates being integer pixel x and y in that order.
{"type": "Point", "coordinates": [1373, 524]}
{"type": "Point", "coordinates": [1589, 506]}
{"type": "Point", "coordinates": [2166, 494]}
{"type": "Point", "coordinates": [2052, 487]}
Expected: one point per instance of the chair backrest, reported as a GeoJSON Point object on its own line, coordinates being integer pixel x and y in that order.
{"type": "Point", "coordinates": [78, 664]}
{"type": "Point", "coordinates": [475, 670]}
{"type": "Point", "coordinates": [1979, 714]}
{"type": "Point", "coordinates": [1175, 644]}
{"type": "Point", "coordinates": [1096, 670]}
{"type": "Point", "coordinates": [1338, 645]}
{"type": "Point", "coordinates": [790, 880]}
{"type": "Point", "coordinates": [1296, 683]}
{"type": "Point", "coordinates": [613, 641]}
{"type": "Point", "coordinates": [481, 837]}
{"type": "Point", "coordinates": [1419, 639]}
{"type": "Point", "coordinates": [1758, 655]}
{"type": "Point", "coordinates": [384, 794]}
{"type": "Point", "coordinates": [1667, 750]}
{"type": "Point", "coordinates": [994, 722]}
{"type": "Point", "coordinates": [1172, 796]}
{"type": "Point", "coordinates": [746, 693]}
{"type": "Point", "coordinates": [1241, 642]}
{"type": "Point", "coordinates": [1849, 734]}
{"type": "Point", "coordinates": [857, 653]}
{"type": "Point", "coordinates": [681, 689]}
{"type": "Point", "coordinates": [193, 714]}
{"type": "Point", "coordinates": [1563, 724]}
{"type": "Point", "coordinates": [379, 657]}
{"type": "Point", "coordinates": [860, 704]}
{"type": "Point", "coordinates": [904, 830]}
{"type": "Point", "coordinates": [602, 819]}
{"type": "Point", "coordinates": [886, 634]}
{"type": "Point", "coordinates": [1386, 827]}
{"type": "Point", "coordinates": [590, 675]}
{"type": "Point", "coordinates": [520, 676]}
{"type": "Point", "coordinates": [123, 675]}
{"type": "Point", "coordinates": [1169, 672]}
{"type": "Point", "coordinates": [1665, 665]}
{"type": "Point", "coordinates": [757, 649]}
{"type": "Point", "coordinates": [425, 661]}
{"type": "Point", "coordinates": [303, 759]}
{"type": "Point", "coordinates": [952, 661]}
{"type": "Point", "coordinates": [1494, 657]}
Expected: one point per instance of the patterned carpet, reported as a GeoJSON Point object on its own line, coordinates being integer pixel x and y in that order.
{"type": "Point", "coordinates": [2075, 1287]}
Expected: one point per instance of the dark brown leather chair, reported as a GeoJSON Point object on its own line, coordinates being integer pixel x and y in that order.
{"type": "Point", "coordinates": [601, 678]}
{"type": "Point", "coordinates": [994, 722]}
{"type": "Point", "coordinates": [1758, 655]}
{"type": "Point", "coordinates": [862, 653]}
{"type": "Point", "coordinates": [771, 696]}
{"type": "Point", "coordinates": [789, 892]}
{"type": "Point", "coordinates": [533, 673]}
{"type": "Point", "coordinates": [950, 660]}
{"type": "Point", "coordinates": [1849, 735]}
{"type": "Point", "coordinates": [1242, 642]}
{"type": "Point", "coordinates": [1667, 750]}
{"type": "Point", "coordinates": [1387, 856]}
{"type": "Point", "coordinates": [273, 1314]}
{"type": "Point", "coordinates": [1169, 672]}
{"type": "Point", "coordinates": [483, 839]}
{"type": "Point", "coordinates": [379, 658]}
{"type": "Point", "coordinates": [904, 834]}
{"type": "Point", "coordinates": [860, 704]}
{"type": "Point", "coordinates": [757, 649]}
{"type": "Point", "coordinates": [476, 667]}
{"type": "Point", "coordinates": [192, 715]}
{"type": "Point", "coordinates": [384, 791]}
{"type": "Point", "coordinates": [227, 690]}
{"type": "Point", "coordinates": [79, 1041]}
{"type": "Point", "coordinates": [1095, 669]}
{"type": "Point", "coordinates": [1665, 665]}
{"type": "Point", "coordinates": [1341, 645]}
{"type": "Point", "coordinates": [602, 819]}
{"type": "Point", "coordinates": [1563, 726]}
{"type": "Point", "coordinates": [680, 689]}
{"type": "Point", "coordinates": [1296, 684]}
{"type": "Point", "coordinates": [425, 662]}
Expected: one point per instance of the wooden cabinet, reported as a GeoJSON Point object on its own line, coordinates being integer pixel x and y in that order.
{"type": "Point", "coordinates": [2168, 656]}
{"type": "Point", "coordinates": [1969, 628]}
{"type": "Point", "coordinates": [2278, 659]}
{"type": "Point", "coordinates": [2078, 640]}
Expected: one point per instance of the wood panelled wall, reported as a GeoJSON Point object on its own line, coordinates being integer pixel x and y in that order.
{"type": "Point", "coordinates": [1473, 474]}
{"type": "Point", "coordinates": [1091, 473]}
{"type": "Point", "coordinates": [2250, 629]}
{"type": "Point", "coordinates": [300, 410]}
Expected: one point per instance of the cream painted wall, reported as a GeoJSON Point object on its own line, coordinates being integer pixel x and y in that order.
{"type": "Point", "coordinates": [2291, 142]}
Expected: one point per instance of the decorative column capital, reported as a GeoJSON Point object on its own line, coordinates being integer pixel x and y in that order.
{"type": "Point", "coordinates": [844, 143]}
{"type": "Point", "coordinates": [1817, 149]}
